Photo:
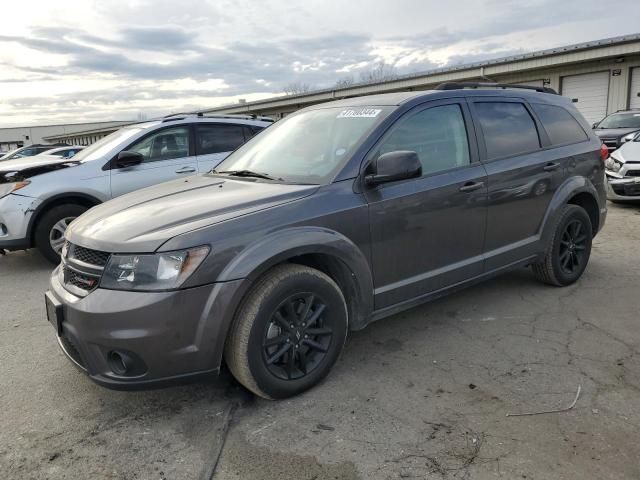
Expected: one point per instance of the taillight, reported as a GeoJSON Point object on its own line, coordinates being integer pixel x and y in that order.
{"type": "Point", "coordinates": [604, 152]}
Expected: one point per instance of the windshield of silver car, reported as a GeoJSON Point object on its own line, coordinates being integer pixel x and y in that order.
{"type": "Point", "coordinates": [104, 145]}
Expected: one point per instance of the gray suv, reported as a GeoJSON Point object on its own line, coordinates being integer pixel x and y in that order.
{"type": "Point", "coordinates": [337, 216]}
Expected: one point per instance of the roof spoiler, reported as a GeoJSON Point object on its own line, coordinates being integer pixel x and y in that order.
{"type": "Point", "coordinates": [461, 85]}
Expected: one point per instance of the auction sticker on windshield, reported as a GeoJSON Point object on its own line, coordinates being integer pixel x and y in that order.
{"type": "Point", "coordinates": [359, 113]}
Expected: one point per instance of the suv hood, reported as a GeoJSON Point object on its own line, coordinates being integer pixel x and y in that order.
{"type": "Point", "coordinates": [613, 132]}
{"type": "Point", "coordinates": [21, 169]}
{"type": "Point", "coordinates": [145, 219]}
{"type": "Point", "coordinates": [629, 152]}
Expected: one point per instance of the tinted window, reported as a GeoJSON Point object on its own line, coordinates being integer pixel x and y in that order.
{"type": "Point", "coordinates": [164, 145]}
{"type": "Point", "coordinates": [560, 125]}
{"type": "Point", "coordinates": [219, 138]}
{"type": "Point", "coordinates": [438, 135]}
{"type": "Point", "coordinates": [508, 128]}
{"type": "Point", "coordinates": [621, 120]}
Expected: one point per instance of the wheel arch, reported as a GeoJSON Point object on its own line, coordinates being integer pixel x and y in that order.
{"type": "Point", "coordinates": [576, 191]}
{"type": "Point", "coordinates": [57, 200]}
{"type": "Point", "coordinates": [316, 247]}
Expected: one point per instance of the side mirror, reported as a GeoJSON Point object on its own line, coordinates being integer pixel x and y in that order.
{"type": "Point", "coordinates": [129, 159]}
{"type": "Point", "coordinates": [392, 166]}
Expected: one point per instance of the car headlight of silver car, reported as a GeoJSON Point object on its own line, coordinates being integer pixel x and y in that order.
{"type": "Point", "coordinates": [612, 164]}
{"type": "Point", "coordinates": [7, 188]}
{"type": "Point", "coordinates": [152, 272]}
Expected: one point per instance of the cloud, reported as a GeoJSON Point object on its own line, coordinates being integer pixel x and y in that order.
{"type": "Point", "coordinates": [108, 58]}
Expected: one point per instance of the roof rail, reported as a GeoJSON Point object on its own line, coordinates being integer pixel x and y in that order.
{"type": "Point", "coordinates": [181, 116]}
{"type": "Point", "coordinates": [461, 85]}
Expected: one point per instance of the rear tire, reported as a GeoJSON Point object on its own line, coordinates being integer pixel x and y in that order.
{"type": "Point", "coordinates": [49, 233]}
{"type": "Point", "coordinates": [288, 332]}
{"type": "Point", "coordinates": [568, 251]}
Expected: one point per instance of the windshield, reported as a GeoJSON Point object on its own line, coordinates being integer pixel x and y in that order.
{"type": "Point", "coordinates": [104, 145]}
{"type": "Point", "coordinates": [309, 147]}
{"type": "Point", "coordinates": [621, 120]}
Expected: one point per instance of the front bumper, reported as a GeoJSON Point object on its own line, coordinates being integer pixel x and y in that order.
{"type": "Point", "coordinates": [15, 214]}
{"type": "Point", "coordinates": [623, 189]}
{"type": "Point", "coordinates": [165, 336]}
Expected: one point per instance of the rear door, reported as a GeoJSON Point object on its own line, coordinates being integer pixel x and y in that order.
{"type": "Point", "coordinates": [215, 141]}
{"type": "Point", "coordinates": [168, 154]}
{"type": "Point", "coordinates": [428, 233]}
{"type": "Point", "coordinates": [522, 177]}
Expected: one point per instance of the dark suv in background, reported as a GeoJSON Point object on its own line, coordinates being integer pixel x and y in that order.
{"type": "Point", "coordinates": [618, 128]}
{"type": "Point", "coordinates": [341, 214]}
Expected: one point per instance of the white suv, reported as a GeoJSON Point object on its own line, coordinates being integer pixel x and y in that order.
{"type": "Point", "coordinates": [38, 200]}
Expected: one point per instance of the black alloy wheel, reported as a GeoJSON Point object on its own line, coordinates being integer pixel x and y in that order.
{"type": "Point", "coordinates": [298, 336]}
{"type": "Point", "coordinates": [568, 251]}
{"type": "Point", "coordinates": [573, 247]}
{"type": "Point", "coordinates": [288, 331]}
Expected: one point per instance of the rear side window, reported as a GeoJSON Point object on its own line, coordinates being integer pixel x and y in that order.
{"type": "Point", "coordinates": [560, 125]}
{"type": "Point", "coordinates": [218, 138]}
{"type": "Point", "coordinates": [508, 129]}
{"type": "Point", "coordinates": [438, 135]}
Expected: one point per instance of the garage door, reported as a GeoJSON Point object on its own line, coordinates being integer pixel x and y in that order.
{"type": "Point", "coordinates": [634, 91]}
{"type": "Point", "coordinates": [590, 92]}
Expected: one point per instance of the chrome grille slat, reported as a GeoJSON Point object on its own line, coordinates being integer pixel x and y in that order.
{"type": "Point", "coordinates": [87, 255]}
{"type": "Point", "coordinates": [82, 268]}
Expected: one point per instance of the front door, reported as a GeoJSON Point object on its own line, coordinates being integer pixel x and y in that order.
{"type": "Point", "coordinates": [168, 154]}
{"type": "Point", "coordinates": [428, 233]}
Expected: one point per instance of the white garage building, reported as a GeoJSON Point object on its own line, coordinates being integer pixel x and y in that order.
{"type": "Point", "coordinates": [14, 137]}
{"type": "Point", "coordinates": [601, 77]}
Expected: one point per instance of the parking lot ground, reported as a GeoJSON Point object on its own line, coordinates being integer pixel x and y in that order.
{"type": "Point", "coordinates": [421, 395]}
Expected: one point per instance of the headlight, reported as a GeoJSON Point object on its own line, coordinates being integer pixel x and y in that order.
{"type": "Point", "coordinates": [612, 164]}
{"type": "Point", "coordinates": [7, 188]}
{"type": "Point", "coordinates": [160, 271]}
{"type": "Point", "coordinates": [629, 137]}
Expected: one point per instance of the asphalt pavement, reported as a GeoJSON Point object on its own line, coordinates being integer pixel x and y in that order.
{"type": "Point", "coordinates": [424, 394]}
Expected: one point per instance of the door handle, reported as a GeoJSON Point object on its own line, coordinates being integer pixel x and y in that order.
{"type": "Point", "coordinates": [186, 170]}
{"type": "Point", "coordinates": [550, 167]}
{"type": "Point", "coordinates": [471, 186]}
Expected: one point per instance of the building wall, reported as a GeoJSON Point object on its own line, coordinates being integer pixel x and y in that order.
{"type": "Point", "coordinates": [14, 137]}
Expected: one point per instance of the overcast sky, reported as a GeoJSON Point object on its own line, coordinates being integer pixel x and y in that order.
{"type": "Point", "coordinates": [82, 60]}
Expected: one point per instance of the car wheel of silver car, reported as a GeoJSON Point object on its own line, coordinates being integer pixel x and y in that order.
{"type": "Point", "coordinates": [569, 250]}
{"type": "Point", "coordinates": [288, 332]}
{"type": "Point", "coordinates": [51, 227]}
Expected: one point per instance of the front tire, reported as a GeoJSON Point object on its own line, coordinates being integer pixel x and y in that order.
{"type": "Point", "coordinates": [288, 332]}
{"type": "Point", "coordinates": [49, 233]}
{"type": "Point", "coordinates": [568, 252]}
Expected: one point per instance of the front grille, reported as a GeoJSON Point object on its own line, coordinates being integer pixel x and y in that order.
{"type": "Point", "coordinates": [79, 280]}
{"type": "Point", "coordinates": [633, 173]}
{"type": "Point", "coordinates": [86, 255]}
{"type": "Point", "coordinates": [82, 268]}
{"type": "Point", "coordinates": [610, 142]}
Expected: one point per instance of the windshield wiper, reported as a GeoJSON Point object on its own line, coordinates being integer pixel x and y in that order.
{"type": "Point", "coordinates": [245, 173]}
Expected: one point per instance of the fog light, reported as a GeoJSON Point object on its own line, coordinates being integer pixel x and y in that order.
{"type": "Point", "coordinates": [120, 363]}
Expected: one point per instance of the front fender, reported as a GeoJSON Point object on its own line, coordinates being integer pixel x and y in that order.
{"type": "Point", "coordinates": [282, 245]}
{"type": "Point", "coordinates": [235, 280]}
{"type": "Point", "coordinates": [569, 188]}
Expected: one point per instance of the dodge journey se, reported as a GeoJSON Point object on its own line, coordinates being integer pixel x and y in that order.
{"type": "Point", "coordinates": [339, 215]}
